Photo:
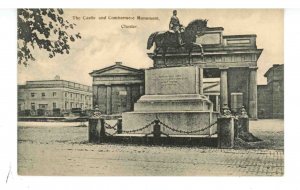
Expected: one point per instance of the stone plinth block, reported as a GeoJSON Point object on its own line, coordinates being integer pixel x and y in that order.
{"type": "Point", "coordinates": [183, 102]}
{"type": "Point", "coordinates": [243, 125]}
{"type": "Point", "coordinates": [94, 129]}
{"type": "Point", "coordinates": [225, 132]}
{"type": "Point", "coordinates": [180, 120]}
{"type": "Point", "coordinates": [172, 81]}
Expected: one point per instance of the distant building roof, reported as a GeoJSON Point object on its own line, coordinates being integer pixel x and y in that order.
{"type": "Point", "coordinates": [274, 67]}
{"type": "Point", "coordinates": [57, 83]}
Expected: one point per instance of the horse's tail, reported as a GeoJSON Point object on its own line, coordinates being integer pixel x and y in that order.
{"type": "Point", "coordinates": [151, 40]}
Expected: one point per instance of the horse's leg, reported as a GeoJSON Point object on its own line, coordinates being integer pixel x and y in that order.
{"type": "Point", "coordinates": [164, 57]}
{"type": "Point", "coordinates": [201, 50]}
{"type": "Point", "coordinates": [190, 48]}
{"type": "Point", "coordinates": [159, 42]}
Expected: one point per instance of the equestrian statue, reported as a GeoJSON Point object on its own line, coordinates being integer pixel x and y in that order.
{"type": "Point", "coordinates": [178, 36]}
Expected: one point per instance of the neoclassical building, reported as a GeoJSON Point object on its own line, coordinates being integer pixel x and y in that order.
{"type": "Point", "coordinates": [117, 88]}
{"type": "Point", "coordinates": [54, 94]}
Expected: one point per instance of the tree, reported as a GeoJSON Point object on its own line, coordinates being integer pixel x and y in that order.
{"type": "Point", "coordinates": [45, 29]}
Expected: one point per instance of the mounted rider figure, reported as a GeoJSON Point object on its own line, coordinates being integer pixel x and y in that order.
{"type": "Point", "coordinates": [176, 27]}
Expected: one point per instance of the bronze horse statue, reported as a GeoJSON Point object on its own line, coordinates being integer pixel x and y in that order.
{"type": "Point", "coordinates": [167, 39]}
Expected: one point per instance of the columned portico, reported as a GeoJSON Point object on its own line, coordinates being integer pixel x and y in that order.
{"type": "Point", "coordinates": [253, 92]}
{"type": "Point", "coordinates": [223, 87]}
{"type": "Point", "coordinates": [116, 88]}
{"type": "Point", "coordinates": [128, 98]}
{"type": "Point", "coordinates": [108, 99]}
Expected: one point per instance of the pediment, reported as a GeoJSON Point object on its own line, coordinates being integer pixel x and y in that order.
{"type": "Point", "coordinates": [117, 70]}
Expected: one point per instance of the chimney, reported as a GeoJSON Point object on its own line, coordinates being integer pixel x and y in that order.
{"type": "Point", "coordinates": [57, 77]}
{"type": "Point", "coordinates": [118, 63]}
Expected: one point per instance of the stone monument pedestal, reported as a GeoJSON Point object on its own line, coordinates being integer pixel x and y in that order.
{"type": "Point", "coordinates": [225, 132]}
{"type": "Point", "coordinates": [179, 102]}
{"type": "Point", "coordinates": [173, 96]}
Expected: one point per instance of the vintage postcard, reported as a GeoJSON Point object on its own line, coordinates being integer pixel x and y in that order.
{"type": "Point", "coordinates": [150, 92]}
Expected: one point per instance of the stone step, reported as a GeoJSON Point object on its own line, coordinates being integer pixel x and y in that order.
{"type": "Point", "coordinates": [180, 136]}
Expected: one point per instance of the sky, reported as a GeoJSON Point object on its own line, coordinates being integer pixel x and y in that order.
{"type": "Point", "coordinates": [104, 41]}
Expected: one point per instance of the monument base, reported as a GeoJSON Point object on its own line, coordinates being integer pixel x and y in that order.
{"type": "Point", "coordinates": [180, 120]}
{"type": "Point", "coordinates": [179, 102]}
{"type": "Point", "coordinates": [174, 96]}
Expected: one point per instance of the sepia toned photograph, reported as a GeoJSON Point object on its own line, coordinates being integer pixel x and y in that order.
{"type": "Point", "coordinates": [150, 92]}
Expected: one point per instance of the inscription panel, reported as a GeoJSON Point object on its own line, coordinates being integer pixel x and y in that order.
{"type": "Point", "coordinates": [169, 81]}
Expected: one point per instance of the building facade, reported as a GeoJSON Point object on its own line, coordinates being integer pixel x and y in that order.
{"type": "Point", "coordinates": [54, 94]}
{"type": "Point", "coordinates": [117, 88]}
{"type": "Point", "coordinates": [271, 96]}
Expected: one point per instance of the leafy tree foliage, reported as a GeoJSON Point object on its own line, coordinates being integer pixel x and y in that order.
{"type": "Point", "coordinates": [45, 29]}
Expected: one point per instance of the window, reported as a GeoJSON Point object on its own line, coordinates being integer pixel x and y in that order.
{"type": "Point", "coordinates": [32, 94]}
{"type": "Point", "coordinates": [33, 106]}
{"type": "Point", "coordinates": [54, 105]}
{"type": "Point", "coordinates": [122, 93]}
{"type": "Point", "coordinates": [66, 105]}
{"type": "Point", "coordinates": [66, 94]}
{"type": "Point", "coordinates": [43, 94]}
{"type": "Point", "coordinates": [54, 94]}
{"type": "Point", "coordinates": [71, 95]}
{"type": "Point", "coordinates": [43, 106]}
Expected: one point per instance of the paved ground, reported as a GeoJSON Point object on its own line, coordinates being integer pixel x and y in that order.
{"type": "Point", "coordinates": [55, 149]}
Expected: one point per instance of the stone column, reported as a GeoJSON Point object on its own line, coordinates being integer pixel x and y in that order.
{"type": "Point", "coordinates": [128, 97]}
{"type": "Point", "coordinates": [95, 96]}
{"type": "Point", "coordinates": [252, 93]}
{"type": "Point", "coordinates": [108, 100]}
{"type": "Point", "coordinates": [223, 87]}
